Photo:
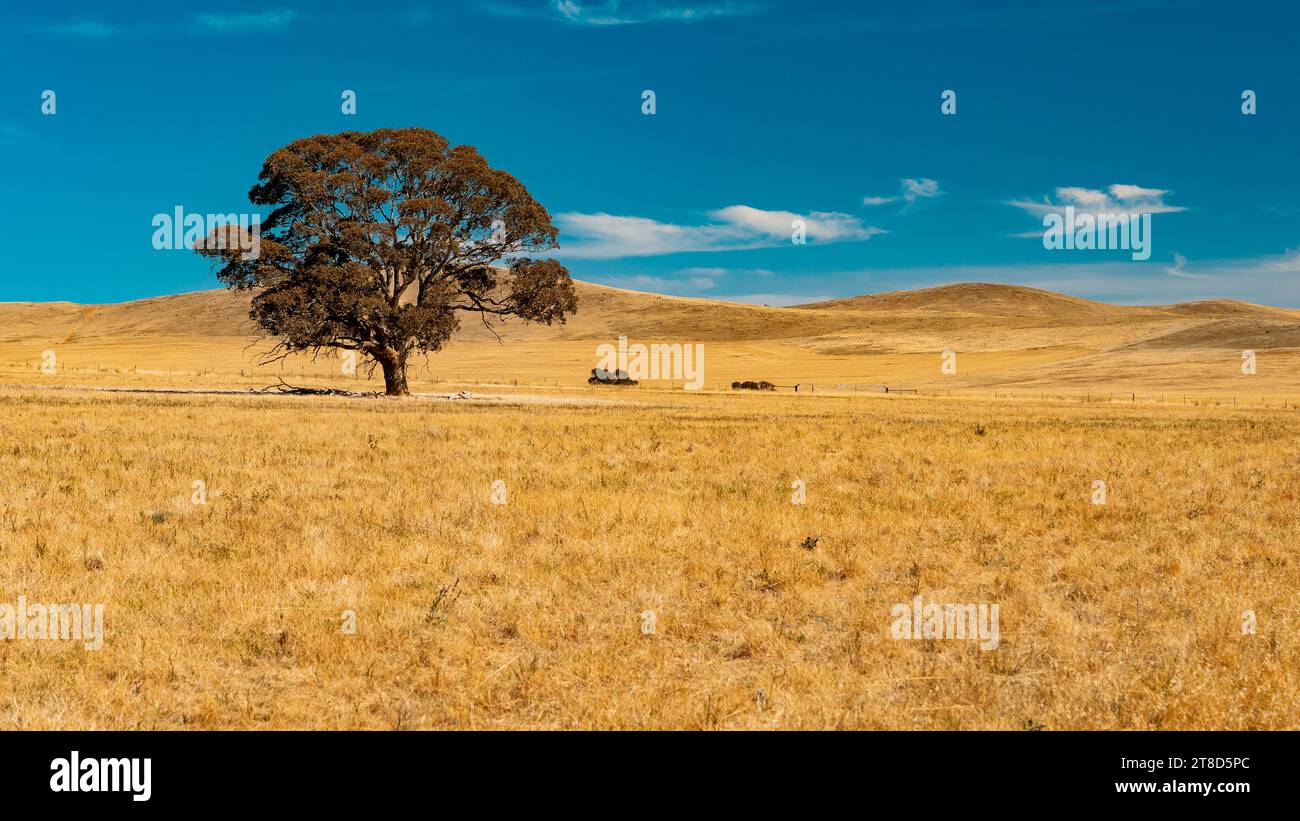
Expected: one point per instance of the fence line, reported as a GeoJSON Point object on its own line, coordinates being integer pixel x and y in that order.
{"type": "Point", "coordinates": [505, 380]}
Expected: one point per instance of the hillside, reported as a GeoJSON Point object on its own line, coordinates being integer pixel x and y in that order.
{"type": "Point", "coordinates": [1019, 303]}
{"type": "Point", "coordinates": [1006, 336]}
{"type": "Point", "coordinates": [985, 299]}
{"type": "Point", "coordinates": [606, 312]}
{"type": "Point", "coordinates": [603, 312]}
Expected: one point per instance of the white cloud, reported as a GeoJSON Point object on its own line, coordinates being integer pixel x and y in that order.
{"type": "Point", "coordinates": [1116, 198]}
{"type": "Point", "coordinates": [1135, 192]}
{"type": "Point", "coordinates": [712, 273]}
{"type": "Point", "coordinates": [919, 189]}
{"type": "Point", "coordinates": [626, 12]}
{"type": "Point", "coordinates": [718, 273]}
{"type": "Point", "coordinates": [1267, 280]}
{"type": "Point", "coordinates": [269, 20]}
{"type": "Point", "coordinates": [1176, 269]}
{"type": "Point", "coordinates": [694, 281]}
{"type": "Point", "coordinates": [659, 285]}
{"type": "Point", "coordinates": [1179, 269]}
{"type": "Point", "coordinates": [910, 190]}
{"type": "Point", "coordinates": [734, 228]}
{"type": "Point", "coordinates": [826, 226]}
{"type": "Point", "coordinates": [1287, 263]}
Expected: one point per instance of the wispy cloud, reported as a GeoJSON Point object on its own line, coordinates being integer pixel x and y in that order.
{"type": "Point", "coordinates": [1179, 269]}
{"type": "Point", "coordinates": [660, 285]}
{"type": "Point", "coordinates": [269, 20]}
{"type": "Point", "coordinates": [624, 12]}
{"type": "Point", "coordinates": [1270, 279]}
{"type": "Point", "coordinates": [703, 283]}
{"type": "Point", "coordinates": [734, 228]}
{"type": "Point", "coordinates": [1286, 263]}
{"type": "Point", "coordinates": [85, 29]}
{"type": "Point", "coordinates": [1118, 198]}
{"type": "Point", "coordinates": [718, 273]}
{"type": "Point", "coordinates": [910, 190]}
{"type": "Point", "coordinates": [12, 133]}
{"type": "Point", "coordinates": [694, 281]}
{"type": "Point", "coordinates": [202, 23]}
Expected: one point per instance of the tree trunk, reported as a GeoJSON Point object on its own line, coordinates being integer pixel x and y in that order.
{"type": "Point", "coordinates": [394, 366]}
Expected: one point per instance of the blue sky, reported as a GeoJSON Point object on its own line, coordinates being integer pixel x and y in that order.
{"type": "Point", "coordinates": [765, 112]}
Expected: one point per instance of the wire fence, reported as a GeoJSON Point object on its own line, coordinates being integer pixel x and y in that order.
{"type": "Point", "coordinates": [801, 387]}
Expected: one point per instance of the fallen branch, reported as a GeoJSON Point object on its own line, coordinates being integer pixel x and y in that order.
{"type": "Point", "coordinates": [295, 390]}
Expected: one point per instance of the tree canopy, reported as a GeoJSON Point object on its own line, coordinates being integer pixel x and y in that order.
{"type": "Point", "coordinates": [379, 242]}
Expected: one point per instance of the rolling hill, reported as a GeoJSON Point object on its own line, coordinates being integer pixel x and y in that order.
{"type": "Point", "coordinates": [605, 312]}
{"type": "Point", "coordinates": [1006, 336]}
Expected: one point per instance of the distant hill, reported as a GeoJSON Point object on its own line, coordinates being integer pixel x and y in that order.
{"type": "Point", "coordinates": [1017, 301]}
{"type": "Point", "coordinates": [985, 299]}
{"type": "Point", "coordinates": [1219, 308]}
{"type": "Point", "coordinates": [606, 312]}
{"type": "Point", "coordinates": [1005, 336]}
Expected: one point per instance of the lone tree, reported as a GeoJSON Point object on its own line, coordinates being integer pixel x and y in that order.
{"type": "Point", "coordinates": [377, 242]}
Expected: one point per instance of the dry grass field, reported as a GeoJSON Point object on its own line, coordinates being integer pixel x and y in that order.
{"type": "Point", "coordinates": [622, 502]}
{"type": "Point", "coordinates": [1007, 340]}
{"type": "Point", "coordinates": [767, 613]}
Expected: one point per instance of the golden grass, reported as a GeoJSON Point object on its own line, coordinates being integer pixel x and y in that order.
{"type": "Point", "coordinates": [470, 614]}
{"type": "Point", "coordinates": [1007, 339]}
{"type": "Point", "coordinates": [1032, 372]}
